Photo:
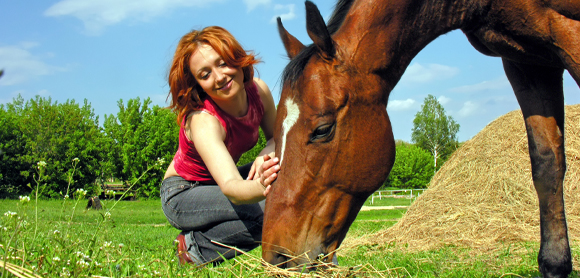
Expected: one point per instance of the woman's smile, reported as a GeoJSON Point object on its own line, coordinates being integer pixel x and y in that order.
{"type": "Point", "coordinates": [226, 86]}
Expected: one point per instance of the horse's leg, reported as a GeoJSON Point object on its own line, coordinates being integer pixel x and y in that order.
{"type": "Point", "coordinates": [539, 91]}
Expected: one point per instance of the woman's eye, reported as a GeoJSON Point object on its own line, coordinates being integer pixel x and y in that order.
{"type": "Point", "coordinates": [204, 75]}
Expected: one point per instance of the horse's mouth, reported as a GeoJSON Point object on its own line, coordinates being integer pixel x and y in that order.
{"type": "Point", "coordinates": [303, 262]}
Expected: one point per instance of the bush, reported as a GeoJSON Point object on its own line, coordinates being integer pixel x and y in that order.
{"type": "Point", "coordinates": [413, 168]}
{"type": "Point", "coordinates": [40, 130]}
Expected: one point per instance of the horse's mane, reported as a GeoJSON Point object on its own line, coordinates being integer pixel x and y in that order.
{"type": "Point", "coordinates": [296, 66]}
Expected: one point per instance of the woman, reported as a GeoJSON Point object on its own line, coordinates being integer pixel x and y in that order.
{"type": "Point", "coordinates": [220, 107]}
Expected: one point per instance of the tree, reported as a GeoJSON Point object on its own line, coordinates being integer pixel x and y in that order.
{"type": "Point", "coordinates": [434, 131]}
{"type": "Point", "coordinates": [57, 134]}
{"type": "Point", "coordinates": [12, 145]}
{"type": "Point", "coordinates": [137, 138]}
{"type": "Point", "coordinates": [412, 168]}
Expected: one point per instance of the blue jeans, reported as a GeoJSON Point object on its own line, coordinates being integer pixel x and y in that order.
{"type": "Point", "coordinates": [206, 216]}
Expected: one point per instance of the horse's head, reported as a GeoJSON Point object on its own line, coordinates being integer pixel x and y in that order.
{"type": "Point", "coordinates": [335, 143]}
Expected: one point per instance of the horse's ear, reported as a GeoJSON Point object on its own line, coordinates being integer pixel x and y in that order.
{"type": "Point", "coordinates": [292, 44]}
{"type": "Point", "coordinates": [317, 30]}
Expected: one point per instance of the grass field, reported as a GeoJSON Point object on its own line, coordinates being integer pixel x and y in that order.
{"type": "Point", "coordinates": [136, 241]}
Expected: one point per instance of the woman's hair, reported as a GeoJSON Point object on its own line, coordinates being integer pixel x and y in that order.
{"type": "Point", "coordinates": [186, 94]}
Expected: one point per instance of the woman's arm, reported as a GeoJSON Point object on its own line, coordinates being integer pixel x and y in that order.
{"type": "Point", "coordinates": [267, 125]}
{"type": "Point", "coordinates": [208, 136]}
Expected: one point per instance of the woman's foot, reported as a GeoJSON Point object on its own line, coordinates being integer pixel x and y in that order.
{"type": "Point", "coordinates": [182, 253]}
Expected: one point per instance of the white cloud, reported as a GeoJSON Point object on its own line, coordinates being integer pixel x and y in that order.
{"type": "Point", "coordinates": [468, 109]}
{"type": "Point", "coordinates": [417, 73]}
{"type": "Point", "coordinates": [20, 64]}
{"type": "Point", "coordinates": [400, 105]}
{"type": "Point", "coordinates": [496, 84]}
{"type": "Point", "coordinates": [289, 9]}
{"type": "Point", "coordinates": [96, 15]}
{"type": "Point", "coordinates": [252, 4]}
{"type": "Point", "coordinates": [443, 100]}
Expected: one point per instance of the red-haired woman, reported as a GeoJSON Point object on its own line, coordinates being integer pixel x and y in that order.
{"type": "Point", "coordinates": [220, 107]}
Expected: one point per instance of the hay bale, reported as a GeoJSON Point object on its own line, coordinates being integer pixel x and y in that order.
{"type": "Point", "coordinates": [484, 194]}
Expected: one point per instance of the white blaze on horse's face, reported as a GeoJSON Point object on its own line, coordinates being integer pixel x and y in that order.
{"type": "Point", "coordinates": [292, 114]}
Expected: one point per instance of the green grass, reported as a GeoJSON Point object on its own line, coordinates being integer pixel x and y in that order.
{"type": "Point", "coordinates": [389, 202]}
{"type": "Point", "coordinates": [137, 241]}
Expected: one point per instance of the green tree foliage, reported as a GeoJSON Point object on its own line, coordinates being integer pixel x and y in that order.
{"type": "Point", "coordinates": [136, 138]}
{"type": "Point", "coordinates": [413, 168]}
{"type": "Point", "coordinates": [40, 130]}
{"type": "Point", "coordinates": [11, 149]}
{"type": "Point", "coordinates": [434, 131]}
{"type": "Point", "coordinates": [251, 155]}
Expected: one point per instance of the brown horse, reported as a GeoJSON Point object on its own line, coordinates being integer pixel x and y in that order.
{"type": "Point", "coordinates": [334, 136]}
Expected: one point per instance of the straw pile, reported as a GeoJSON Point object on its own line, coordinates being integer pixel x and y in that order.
{"type": "Point", "coordinates": [484, 196]}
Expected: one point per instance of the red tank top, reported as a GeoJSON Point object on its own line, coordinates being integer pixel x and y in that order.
{"type": "Point", "coordinates": [241, 136]}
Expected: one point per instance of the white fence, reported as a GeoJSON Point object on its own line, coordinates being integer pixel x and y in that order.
{"type": "Point", "coordinates": [397, 193]}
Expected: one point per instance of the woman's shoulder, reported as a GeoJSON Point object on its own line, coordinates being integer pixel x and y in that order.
{"type": "Point", "coordinates": [262, 87]}
{"type": "Point", "coordinates": [201, 122]}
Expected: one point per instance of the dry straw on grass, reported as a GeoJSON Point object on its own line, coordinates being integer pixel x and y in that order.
{"type": "Point", "coordinates": [483, 196]}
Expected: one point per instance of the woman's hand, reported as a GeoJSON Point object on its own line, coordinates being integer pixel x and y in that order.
{"type": "Point", "coordinates": [265, 170]}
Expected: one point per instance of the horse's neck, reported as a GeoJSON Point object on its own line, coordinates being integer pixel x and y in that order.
{"type": "Point", "coordinates": [385, 35]}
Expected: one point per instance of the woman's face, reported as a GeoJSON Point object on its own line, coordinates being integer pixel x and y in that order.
{"type": "Point", "coordinates": [217, 79]}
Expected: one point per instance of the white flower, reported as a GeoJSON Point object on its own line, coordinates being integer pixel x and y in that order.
{"type": "Point", "coordinates": [107, 244]}
{"type": "Point", "coordinates": [41, 164]}
{"type": "Point", "coordinates": [82, 263]}
{"type": "Point", "coordinates": [24, 199]}
{"type": "Point", "coordinates": [66, 196]}
{"type": "Point", "coordinates": [65, 272]}
{"type": "Point", "coordinates": [82, 192]}
{"type": "Point", "coordinates": [76, 159]}
{"type": "Point", "coordinates": [107, 214]}
{"type": "Point", "coordinates": [121, 245]}
{"type": "Point", "coordinates": [160, 161]}
{"type": "Point", "coordinates": [56, 259]}
{"type": "Point", "coordinates": [10, 214]}
{"type": "Point", "coordinates": [56, 232]}
{"type": "Point", "coordinates": [141, 267]}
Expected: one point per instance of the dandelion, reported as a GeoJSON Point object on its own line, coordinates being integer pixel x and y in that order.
{"type": "Point", "coordinates": [24, 199]}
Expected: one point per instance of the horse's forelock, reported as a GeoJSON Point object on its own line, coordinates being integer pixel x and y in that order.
{"type": "Point", "coordinates": [296, 66]}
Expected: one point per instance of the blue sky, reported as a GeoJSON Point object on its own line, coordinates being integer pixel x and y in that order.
{"type": "Point", "coordinates": [108, 50]}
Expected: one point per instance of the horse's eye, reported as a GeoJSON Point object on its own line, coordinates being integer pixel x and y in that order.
{"type": "Point", "coordinates": [323, 132]}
